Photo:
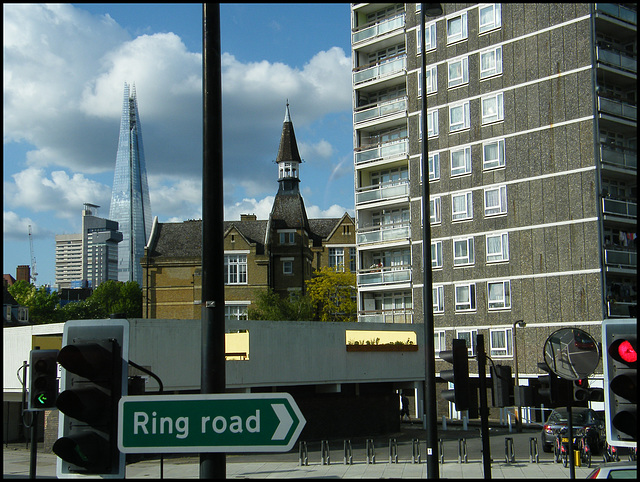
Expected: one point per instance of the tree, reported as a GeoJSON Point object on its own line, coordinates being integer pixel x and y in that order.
{"type": "Point", "coordinates": [271, 306]}
{"type": "Point", "coordinates": [333, 294]}
{"type": "Point", "coordinates": [42, 304]}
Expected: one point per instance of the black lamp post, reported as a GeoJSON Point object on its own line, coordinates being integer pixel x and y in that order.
{"type": "Point", "coordinates": [430, 415]}
{"type": "Point", "coordinates": [521, 324]}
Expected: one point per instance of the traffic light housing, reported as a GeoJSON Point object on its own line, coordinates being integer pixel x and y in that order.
{"type": "Point", "coordinates": [553, 390]}
{"type": "Point", "coordinates": [502, 390]}
{"type": "Point", "coordinates": [620, 381]}
{"type": "Point", "coordinates": [94, 361]}
{"type": "Point", "coordinates": [581, 391]}
{"type": "Point", "coordinates": [43, 386]}
{"type": "Point", "coordinates": [459, 375]}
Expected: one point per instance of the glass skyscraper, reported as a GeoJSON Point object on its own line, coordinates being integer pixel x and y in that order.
{"type": "Point", "coordinates": [130, 205]}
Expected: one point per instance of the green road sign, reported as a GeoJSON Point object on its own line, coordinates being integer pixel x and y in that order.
{"type": "Point", "coordinates": [229, 422]}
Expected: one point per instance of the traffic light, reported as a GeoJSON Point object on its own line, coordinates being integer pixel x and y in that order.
{"type": "Point", "coordinates": [621, 381]}
{"type": "Point", "coordinates": [554, 391]}
{"type": "Point", "coordinates": [502, 391]}
{"type": "Point", "coordinates": [43, 387]}
{"type": "Point", "coordinates": [581, 391]}
{"type": "Point", "coordinates": [94, 361]}
{"type": "Point", "coordinates": [461, 393]}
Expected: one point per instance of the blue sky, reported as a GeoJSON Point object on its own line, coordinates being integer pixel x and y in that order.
{"type": "Point", "coordinates": [64, 73]}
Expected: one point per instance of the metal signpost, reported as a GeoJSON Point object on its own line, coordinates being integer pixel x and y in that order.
{"type": "Point", "coordinates": [205, 423]}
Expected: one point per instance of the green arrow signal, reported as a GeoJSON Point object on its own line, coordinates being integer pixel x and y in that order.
{"type": "Point", "coordinates": [42, 398]}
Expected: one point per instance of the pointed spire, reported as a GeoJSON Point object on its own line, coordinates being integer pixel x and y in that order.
{"type": "Point", "coordinates": [288, 151]}
{"type": "Point", "coordinates": [287, 114]}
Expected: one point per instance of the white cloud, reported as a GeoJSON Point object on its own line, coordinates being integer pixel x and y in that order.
{"type": "Point", "coordinates": [261, 208]}
{"type": "Point", "coordinates": [335, 211]}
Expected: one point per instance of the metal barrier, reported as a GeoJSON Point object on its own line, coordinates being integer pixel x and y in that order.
{"type": "Point", "coordinates": [326, 455]}
{"type": "Point", "coordinates": [462, 450]}
{"type": "Point", "coordinates": [371, 452]}
{"type": "Point", "coordinates": [509, 454]}
{"type": "Point", "coordinates": [533, 450]}
{"type": "Point", "coordinates": [393, 451]}
{"type": "Point", "coordinates": [348, 453]}
{"type": "Point", "coordinates": [415, 451]}
{"type": "Point", "coordinates": [303, 454]}
{"type": "Point", "coordinates": [441, 449]}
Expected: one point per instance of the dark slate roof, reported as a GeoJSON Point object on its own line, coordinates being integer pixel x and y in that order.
{"type": "Point", "coordinates": [288, 150]}
{"type": "Point", "coordinates": [288, 211]}
{"type": "Point", "coordinates": [254, 231]}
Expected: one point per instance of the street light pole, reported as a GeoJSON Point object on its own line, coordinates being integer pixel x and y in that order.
{"type": "Point", "coordinates": [429, 397]}
{"type": "Point", "coordinates": [521, 324]}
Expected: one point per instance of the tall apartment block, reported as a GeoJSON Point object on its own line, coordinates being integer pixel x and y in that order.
{"type": "Point", "coordinates": [532, 169]}
{"type": "Point", "coordinates": [130, 204]}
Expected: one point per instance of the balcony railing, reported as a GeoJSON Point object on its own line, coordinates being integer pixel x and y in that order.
{"type": "Point", "coordinates": [622, 309]}
{"type": "Point", "coordinates": [618, 11]}
{"type": "Point", "coordinates": [395, 274]}
{"type": "Point", "coordinates": [619, 156]}
{"type": "Point", "coordinates": [387, 150]}
{"type": "Point", "coordinates": [616, 58]}
{"type": "Point", "coordinates": [378, 234]}
{"type": "Point", "coordinates": [378, 71]}
{"type": "Point", "coordinates": [380, 110]}
{"type": "Point", "coordinates": [621, 259]}
{"type": "Point", "coordinates": [619, 208]}
{"type": "Point", "coordinates": [382, 191]}
{"type": "Point", "coordinates": [401, 315]}
{"type": "Point", "coordinates": [617, 108]}
{"type": "Point", "coordinates": [378, 29]}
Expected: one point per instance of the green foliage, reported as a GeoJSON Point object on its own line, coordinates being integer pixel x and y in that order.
{"type": "Point", "coordinates": [271, 306]}
{"type": "Point", "coordinates": [333, 294]}
{"type": "Point", "coordinates": [42, 305]}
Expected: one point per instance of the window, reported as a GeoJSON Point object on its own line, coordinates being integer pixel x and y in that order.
{"type": "Point", "coordinates": [457, 28]}
{"type": "Point", "coordinates": [463, 251]}
{"type": "Point", "coordinates": [434, 167]}
{"type": "Point", "coordinates": [459, 117]}
{"type": "Point", "coordinates": [492, 108]}
{"type": "Point", "coordinates": [495, 201]}
{"type": "Point", "coordinates": [435, 211]}
{"type": "Point", "coordinates": [497, 247]}
{"type": "Point", "coordinates": [436, 254]}
{"type": "Point", "coordinates": [460, 161]}
{"type": "Point", "coordinates": [500, 342]}
{"type": "Point", "coordinates": [493, 154]}
{"type": "Point", "coordinates": [465, 297]}
{"type": "Point", "coordinates": [336, 258]}
{"type": "Point", "coordinates": [489, 17]}
{"type": "Point", "coordinates": [235, 269]}
{"type": "Point", "coordinates": [438, 341]}
{"type": "Point", "coordinates": [461, 207]}
{"type": "Point", "coordinates": [490, 62]}
{"type": "Point", "coordinates": [432, 80]}
{"type": "Point", "coordinates": [458, 72]}
{"type": "Point", "coordinates": [432, 123]}
{"type": "Point", "coordinates": [287, 238]}
{"type": "Point", "coordinates": [287, 266]}
{"type": "Point", "coordinates": [499, 295]}
{"type": "Point", "coordinates": [438, 299]}
{"type": "Point", "coordinates": [352, 260]}
{"type": "Point", "coordinates": [429, 37]}
{"type": "Point", "coordinates": [469, 336]}
{"type": "Point", "coordinates": [235, 312]}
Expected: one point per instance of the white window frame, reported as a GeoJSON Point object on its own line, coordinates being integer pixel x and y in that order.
{"type": "Point", "coordinates": [236, 311]}
{"type": "Point", "coordinates": [467, 213]}
{"type": "Point", "coordinates": [494, 58]}
{"type": "Point", "coordinates": [492, 108]}
{"type": "Point", "coordinates": [437, 295]}
{"type": "Point", "coordinates": [439, 341]}
{"type": "Point", "coordinates": [432, 123]}
{"type": "Point", "coordinates": [495, 18]}
{"type": "Point", "coordinates": [503, 299]}
{"type": "Point", "coordinates": [234, 274]}
{"type": "Point", "coordinates": [470, 304]}
{"type": "Point", "coordinates": [493, 163]}
{"type": "Point", "coordinates": [461, 72]}
{"type": "Point", "coordinates": [465, 122]}
{"type": "Point", "coordinates": [504, 248]}
{"type": "Point", "coordinates": [336, 258]}
{"type": "Point", "coordinates": [470, 336]}
{"type": "Point", "coordinates": [496, 347]}
{"type": "Point", "coordinates": [287, 266]}
{"type": "Point", "coordinates": [457, 154]}
{"type": "Point", "coordinates": [497, 209]}
{"type": "Point", "coordinates": [467, 258]}
{"type": "Point", "coordinates": [432, 80]}
{"type": "Point", "coordinates": [430, 36]}
{"type": "Point", "coordinates": [458, 34]}
{"type": "Point", "coordinates": [287, 237]}
{"type": "Point", "coordinates": [435, 217]}
{"type": "Point", "coordinates": [436, 254]}
{"type": "Point", "coordinates": [434, 166]}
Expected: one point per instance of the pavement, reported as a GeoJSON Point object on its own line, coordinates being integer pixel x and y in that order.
{"type": "Point", "coordinates": [16, 461]}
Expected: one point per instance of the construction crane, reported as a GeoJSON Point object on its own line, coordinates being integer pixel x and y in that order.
{"type": "Point", "coordinates": [33, 258]}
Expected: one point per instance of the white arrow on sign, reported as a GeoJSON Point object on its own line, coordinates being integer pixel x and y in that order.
{"type": "Point", "coordinates": [285, 421]}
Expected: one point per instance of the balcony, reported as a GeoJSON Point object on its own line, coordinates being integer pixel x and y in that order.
{"type": "Point", "coordinates": [622, 309]}
{"type": "Point", "coordinates": [367, 113]}
{"type": "Point", "coordinates": [617, 108]}
{"type": "Point", "coordinates": [382, 191]}
{"type": "Point", "coordinates": [386, 68]}
{"type": "Point", "coordinates": [384, 275]}
{"type": "Point", "coordinates": [401, 315]}
{"type": "Point", "coordinates": [616, 58]}
{"type": "Point", "coordinates": [626, 260]}
{"type": "Point", "coordinates": [388, 150]}
{"type": "Point", "coordinates": [617, 207]}
{"type": "Point", "coordinates": [384, 233]}
{"type": "Point", "coordinates": [619, 156]}
{"type": "Point", "coordinates": [618, 12]}
{"type": "Point", "coordinates": [380, 28]}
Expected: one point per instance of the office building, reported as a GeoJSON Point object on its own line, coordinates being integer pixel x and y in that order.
{"type": "Point", "coordinates": [532, 169]}
{"type": "Point", "coordinates": [130, 205]}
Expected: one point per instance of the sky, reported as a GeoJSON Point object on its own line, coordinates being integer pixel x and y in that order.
{"type": "Point", "coordinates": [64, 72]}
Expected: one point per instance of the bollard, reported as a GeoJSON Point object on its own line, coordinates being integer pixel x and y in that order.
{"type": "Point", "coordinates": [371, 452]}
{"type": "Point", "coordinates": [324, 449]}
{"type": "Point", "coordinates": [533, 450]}
{"type": "Point", "coordinates": [462, 450]}
{"type": "Point", "coordinates": [444, 422]}
{"type": "Point", "coordinates": [577, 460]}
{"type": "Point", "coordinates": [441, 448]}
{"type": "Point", "coordinates": [393, 451]}
{"type": "Point", "coordinates": [465, 422]}
{"type": "Point", "coordinates": [509, 453]}
{"type": "Point", "coordinates": [348, 453]}
{"type": "Point", "coordinates": [303, 454]}
{"type": "Point", "coordinates": [415, 451]}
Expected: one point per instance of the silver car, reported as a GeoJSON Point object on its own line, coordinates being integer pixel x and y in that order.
{"type": "Point", "coordinates": [615, 470]}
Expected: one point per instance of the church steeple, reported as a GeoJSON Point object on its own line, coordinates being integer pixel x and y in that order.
{"type": "Point", "coordinates": [288, 159]}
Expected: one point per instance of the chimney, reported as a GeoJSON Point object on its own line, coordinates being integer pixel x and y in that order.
{"type": "Point", "coordinates": [248, 217]}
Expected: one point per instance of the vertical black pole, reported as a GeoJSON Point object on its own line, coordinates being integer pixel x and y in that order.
{"type": "Point", "coordinates": [212, 465]}
{"type": "Point", "coordinates": [430, 415]}
{"type": "Point", "coordinates": [34, 445]}
{"type": "Point", "coordinates": [484, 408]}
{"type": "Point", "coordinates": [572, 462]}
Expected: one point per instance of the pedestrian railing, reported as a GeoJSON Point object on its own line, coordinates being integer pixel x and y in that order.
{"type": "Point", "coordinates": [393, 451]}
{"type": "Point", "coordinates": [509, 454]}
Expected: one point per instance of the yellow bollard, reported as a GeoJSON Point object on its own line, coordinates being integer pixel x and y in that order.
{"type": "Point", "coordinates": [577, 459]}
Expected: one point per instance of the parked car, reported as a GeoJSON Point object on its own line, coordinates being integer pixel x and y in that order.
{"type": "Point", "coordinates": [615, 470]}
{"type": "Point", "coordinates": [583, 419]}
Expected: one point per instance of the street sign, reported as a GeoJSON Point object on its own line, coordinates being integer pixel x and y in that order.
{"type": "Point", "coordinates": [227, 422]}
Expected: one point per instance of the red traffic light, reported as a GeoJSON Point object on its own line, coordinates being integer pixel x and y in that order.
{"type": "Point", "coordinates": [627, 352]}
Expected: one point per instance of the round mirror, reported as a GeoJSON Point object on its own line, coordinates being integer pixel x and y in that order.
{"type": "Point", "coordinates": [571, 353]}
